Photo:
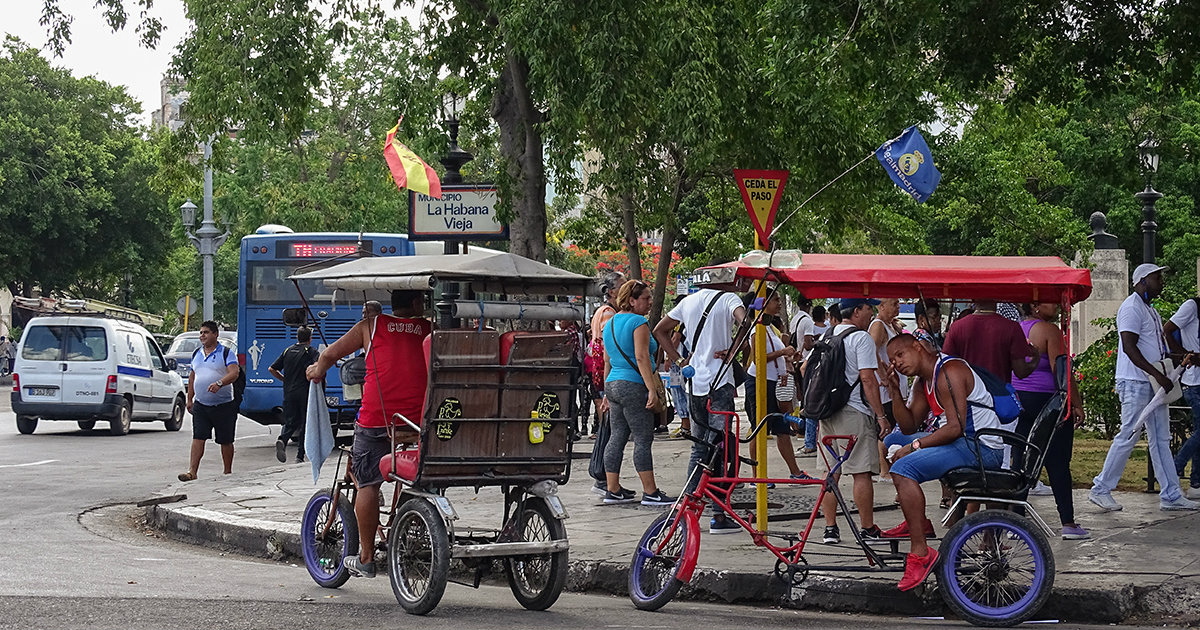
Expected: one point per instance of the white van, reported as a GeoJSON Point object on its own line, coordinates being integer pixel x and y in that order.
{"type": "Point", "coordinates": [88, 368]}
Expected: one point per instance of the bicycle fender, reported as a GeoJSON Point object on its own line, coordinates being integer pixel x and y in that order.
{"type": "Point", "coordinates": [691, 549]}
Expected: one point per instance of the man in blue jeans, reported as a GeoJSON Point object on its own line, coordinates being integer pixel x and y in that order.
{"type": "Point", "coordinates": [1141, 345]}
{"type": "Point", "coordinates": [1186, 322]}
{"type": "Point", "coordinates": [709, 317]}
{"type": "Point", "coordinates": [931, 456]}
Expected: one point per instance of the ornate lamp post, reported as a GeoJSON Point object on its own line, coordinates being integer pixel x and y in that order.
{"type": "Point", "coordinates": [1148, 156]}
{"type": "Point", "coordinates": [208, 238]}
{"type": "Point", "coordinates": [453, 161]}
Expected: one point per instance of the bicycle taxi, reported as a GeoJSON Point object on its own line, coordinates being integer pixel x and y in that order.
{"type": "Point", "coordinates": [497, 413]}
{"type": "Point", "coordinates": [996, 567]}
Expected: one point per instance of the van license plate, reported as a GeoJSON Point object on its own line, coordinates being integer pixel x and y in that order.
{"type": "Point", "coordinates": [42, 391]}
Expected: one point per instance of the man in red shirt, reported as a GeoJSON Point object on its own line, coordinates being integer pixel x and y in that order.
{"type": "Point", "coordinates": [397, 375]}
{"type": "Point", "coordinates": [992, 342]}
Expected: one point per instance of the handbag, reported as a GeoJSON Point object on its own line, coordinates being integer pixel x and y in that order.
{"type": "Point", "coordinates": [596, 463]}
{"type": "Point", "coordinates": [659, 389]}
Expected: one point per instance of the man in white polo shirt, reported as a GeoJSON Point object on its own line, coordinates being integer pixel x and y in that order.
{"type": "Point", "coordinates": [1186, 321]}
{"type": "Point", "coordinates": [1141, 346]}
{"type": "Point", "coordinates": [210, 399]}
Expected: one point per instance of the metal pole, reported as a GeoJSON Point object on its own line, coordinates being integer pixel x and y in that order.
{"type": "Point", "coordinates": [206, 252]}
{"type": "Point", "coordinates": [760, 403]}
{"type": "Point", "coordinates": [1149, 226]}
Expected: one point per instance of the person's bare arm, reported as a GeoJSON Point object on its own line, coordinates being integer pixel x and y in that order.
{"type": "Point", "coordinates": [663, 333]}
{"type": "Point", "coordinates": [870, 388]}
{"type": "Point", "coordinates": [908, 412]}
{"type": "Point", "coordinates": [641, 352]}
{"type": "Point", "coordinates": [191, 390]}
{"type": "Point", "coordinates": [878, 331]}
{"type": "Point", "coordinates": [1178, 352]}
{"type": "Point", "coordinates": [1129, 341]}
{"type": "Point", "coordinates": [276, 373]}
{"type": "Point", "coordinates": [355, 339]}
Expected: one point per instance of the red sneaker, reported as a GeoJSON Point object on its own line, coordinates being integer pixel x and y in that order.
{"type": "Point", "coordinates": [916, 569]}
{"type": "Point", "coordinates": [901, 530]}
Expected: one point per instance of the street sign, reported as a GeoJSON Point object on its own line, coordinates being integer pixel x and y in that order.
{"type": "Point", "coordinates": [186, 305]}
{"type": "Point", "coordinates": [464, 213]}
{"type": "Point", "coordinates": [761, 192]}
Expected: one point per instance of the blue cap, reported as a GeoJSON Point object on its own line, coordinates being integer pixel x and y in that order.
{"type": "Point", "coordinates": [847, 305]}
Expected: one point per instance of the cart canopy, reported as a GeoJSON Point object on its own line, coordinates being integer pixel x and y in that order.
{"type": "Point", "coordinates": [487, 270]}
{"type": "Point", "coordinates": [1000, 278]}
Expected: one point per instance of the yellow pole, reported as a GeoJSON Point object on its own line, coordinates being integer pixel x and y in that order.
{"type": "Point", "coordinates": [760, 404]}
{"type": "Point", "coordinates": [187, 308]}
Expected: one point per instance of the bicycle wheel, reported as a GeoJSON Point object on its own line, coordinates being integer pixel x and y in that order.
{"type": "Point", "coordinates": [996, 568]}
{"type": "Point", "coordinates": [654, 571]}
{"type": "Point", "coordinates": [324, 549]}
{"type": "Point", "coordinates": [418, 556]}
{"type": "Point", "coordinates": [537, 580]}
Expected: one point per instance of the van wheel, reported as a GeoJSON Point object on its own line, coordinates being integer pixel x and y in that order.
{"type": "Point", "coordinates": [175, 422]}
{"type": "Point", "coordinates": [120, 424]}
{"type": "Point", "coordinates": [87, 425]}
{"type": "Point", "coordinates": [26, 424]}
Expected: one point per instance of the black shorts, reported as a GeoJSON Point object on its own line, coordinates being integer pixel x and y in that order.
{"type": "Point", "coordinates": [215, 419]}
{"type": "Point", "coordinates": [370, 445]}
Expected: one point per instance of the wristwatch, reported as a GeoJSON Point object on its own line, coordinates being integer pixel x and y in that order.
{"type": "Point", "coordinates": [680, 361]}
{"type": "Point", "coordinates": [916, 445]}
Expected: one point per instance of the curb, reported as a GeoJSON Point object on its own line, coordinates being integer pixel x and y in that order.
{"type": "Point", "coordinates": [877, 596]}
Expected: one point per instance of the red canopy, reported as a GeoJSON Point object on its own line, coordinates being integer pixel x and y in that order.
{"type": "Point", "coordinates": [1000, 278]}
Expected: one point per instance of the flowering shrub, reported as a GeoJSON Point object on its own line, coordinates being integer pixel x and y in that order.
{"type": "Point", "coordinates": [616, 260]}
{"type": "Point", "coordinates": [1095, 374]}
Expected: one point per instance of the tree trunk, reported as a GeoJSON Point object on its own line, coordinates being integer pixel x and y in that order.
{"type": "Point", "coordinates": [633, 246]}
{"type": "Point", "coordinates": [662, 273]}
{"type": "Point", "coordinates": [521, 147]}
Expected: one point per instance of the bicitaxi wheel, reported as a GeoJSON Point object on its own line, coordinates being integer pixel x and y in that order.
{"type": "Point", "coordinates": [996, 568]}
{"type": "Point", "coordinates": [537, 580]}
{"type": "Point", "coordinates": [418, 556]}
{"type": "Point", "coordinates": [324, 543]}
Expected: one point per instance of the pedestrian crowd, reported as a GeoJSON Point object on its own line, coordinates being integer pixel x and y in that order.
{"type": "Point", "coordinates": [914, 399]}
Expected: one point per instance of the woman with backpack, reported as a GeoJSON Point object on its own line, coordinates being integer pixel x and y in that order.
{"type": "Point", "coordinates": [632, 391]}
{"type": "Point", "coordinates": [777, 365]}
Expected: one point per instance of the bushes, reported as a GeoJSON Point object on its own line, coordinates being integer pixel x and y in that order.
{"type": "Point", "coordinates": [1095, 374]}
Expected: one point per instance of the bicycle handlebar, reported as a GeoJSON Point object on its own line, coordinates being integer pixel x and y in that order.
{"type": "Point", "coordinates": [405, 421]}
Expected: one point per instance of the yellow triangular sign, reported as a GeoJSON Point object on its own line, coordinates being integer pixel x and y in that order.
{"type": "Point", "coordinates": [761, 192]}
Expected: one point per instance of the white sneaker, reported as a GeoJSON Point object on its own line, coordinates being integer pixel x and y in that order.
{"type": "Point", "coordinates": [1180, 504]}
{"type": "Point", "coordinates": [1193, 493]}
{"type": "Point", "coordinates": [1105, 501]}
{"type": "Point", "coordinates": [1041, 490]}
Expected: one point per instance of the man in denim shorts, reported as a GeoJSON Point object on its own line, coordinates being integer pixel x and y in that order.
{"type": "Point", "coordinates": [930, 457]}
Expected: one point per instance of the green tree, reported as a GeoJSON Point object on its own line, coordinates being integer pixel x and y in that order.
{"type": "Point", "coordinates": [75, 202]}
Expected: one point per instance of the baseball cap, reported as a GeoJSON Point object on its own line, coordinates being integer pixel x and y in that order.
{"type": "Point", "coordinates": [847, 305]}
{"type": "Point", "coordinates": [1146, 269]}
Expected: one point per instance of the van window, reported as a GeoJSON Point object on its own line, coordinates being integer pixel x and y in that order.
{"type": "Point", "coordinates": [86, 343]}
{"type": "Point", "coordinates": [65, 343]}
{"type": "Point", "coordinates": [42, 343]}
{"type": "Point", "coordinates": [156, 358]}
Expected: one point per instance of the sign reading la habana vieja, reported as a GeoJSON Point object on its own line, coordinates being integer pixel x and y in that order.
{"type": "Point", "coordinates": [761, 192]}
{"type": "Point", "coordinates": [466, 212]}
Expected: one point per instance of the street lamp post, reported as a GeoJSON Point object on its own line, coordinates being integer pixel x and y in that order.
{"type": "Point", "coordinates": [453, 161]}
{"type": "Point", "coordinates": [1148, 156]}
{"type": "Point", "coordinates": [208, 238]}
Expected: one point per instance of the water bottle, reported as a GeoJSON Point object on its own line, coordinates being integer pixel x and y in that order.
{"type": "Point", "coordinates": [688, 371]}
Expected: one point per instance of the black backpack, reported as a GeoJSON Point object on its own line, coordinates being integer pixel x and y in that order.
{"type": "Point", "coordinates": [825, 390]}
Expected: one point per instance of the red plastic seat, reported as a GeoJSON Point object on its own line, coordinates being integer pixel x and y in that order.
{"type": "Point", "coordinates": [406, 462]}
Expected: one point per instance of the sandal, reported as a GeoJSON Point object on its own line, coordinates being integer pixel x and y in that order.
{"type": "Point", "coordinates": [187, 476]}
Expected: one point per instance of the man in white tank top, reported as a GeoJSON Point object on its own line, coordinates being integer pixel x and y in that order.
{"type": "Point", "coordinates": [947, 447]}
{"type": "Point", "coordinates": [882, 331]}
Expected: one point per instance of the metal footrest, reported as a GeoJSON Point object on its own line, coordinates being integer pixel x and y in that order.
{"type": "Point", "coordinates": [508, 549]}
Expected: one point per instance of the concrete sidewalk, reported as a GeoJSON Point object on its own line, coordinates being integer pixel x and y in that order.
{"type": "Point", "coordinates": [1140, 563]}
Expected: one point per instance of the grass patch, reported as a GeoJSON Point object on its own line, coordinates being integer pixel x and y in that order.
{"type": "Point", "coordinates": [1087, 458]}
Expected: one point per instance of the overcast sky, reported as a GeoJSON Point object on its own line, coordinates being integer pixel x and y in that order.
{"type": "Point", "coordinates": [95, 50]}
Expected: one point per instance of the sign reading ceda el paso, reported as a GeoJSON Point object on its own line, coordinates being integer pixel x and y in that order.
{"type": "Point", "coordinates": [464, 213]}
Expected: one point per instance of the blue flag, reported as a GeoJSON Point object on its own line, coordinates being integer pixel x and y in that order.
{"type": "Point", "coordinates": [909, 163]}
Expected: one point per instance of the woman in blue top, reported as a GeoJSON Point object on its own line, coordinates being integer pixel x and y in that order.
{"type": "Point", "coordinates": [629, 394]}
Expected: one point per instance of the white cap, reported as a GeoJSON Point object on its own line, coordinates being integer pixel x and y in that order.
{"type": "Point", "coordinates": [1144, 270]}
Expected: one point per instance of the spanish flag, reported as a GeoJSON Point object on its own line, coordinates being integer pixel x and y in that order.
{"type": "Point", "coordinates": [408, 170]}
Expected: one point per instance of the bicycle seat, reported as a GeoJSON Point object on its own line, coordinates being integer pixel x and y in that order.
{"type": "Point", "coordinates": [406, 463]}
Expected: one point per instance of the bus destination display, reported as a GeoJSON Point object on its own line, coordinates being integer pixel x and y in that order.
{"type": "Point", "coordinates": [327, 249]}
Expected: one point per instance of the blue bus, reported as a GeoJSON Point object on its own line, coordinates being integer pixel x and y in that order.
{"type": "Point", "coordinates": [268, 257]}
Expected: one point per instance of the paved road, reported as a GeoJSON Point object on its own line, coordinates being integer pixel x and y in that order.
{"type": "Point", "coordinates": [78, 557]}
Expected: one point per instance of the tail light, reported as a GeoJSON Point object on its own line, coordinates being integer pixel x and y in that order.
{"type": "Point", "coordinates": [111, 386]}
{"type": "Point", "coordinates": [16, 383]}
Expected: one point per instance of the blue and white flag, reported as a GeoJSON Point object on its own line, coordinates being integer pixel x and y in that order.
{"type": "Point", "coordinates": [909, 163]}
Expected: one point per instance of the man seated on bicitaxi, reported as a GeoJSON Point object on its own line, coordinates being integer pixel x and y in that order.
{"type": "Point", "coordinates": [949, 385]}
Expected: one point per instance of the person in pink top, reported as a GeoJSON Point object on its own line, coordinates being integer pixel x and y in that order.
{"type": "Point", "coordinates": [1035, 391]}
{"type": "Point", "coordinates": [397, 375]}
